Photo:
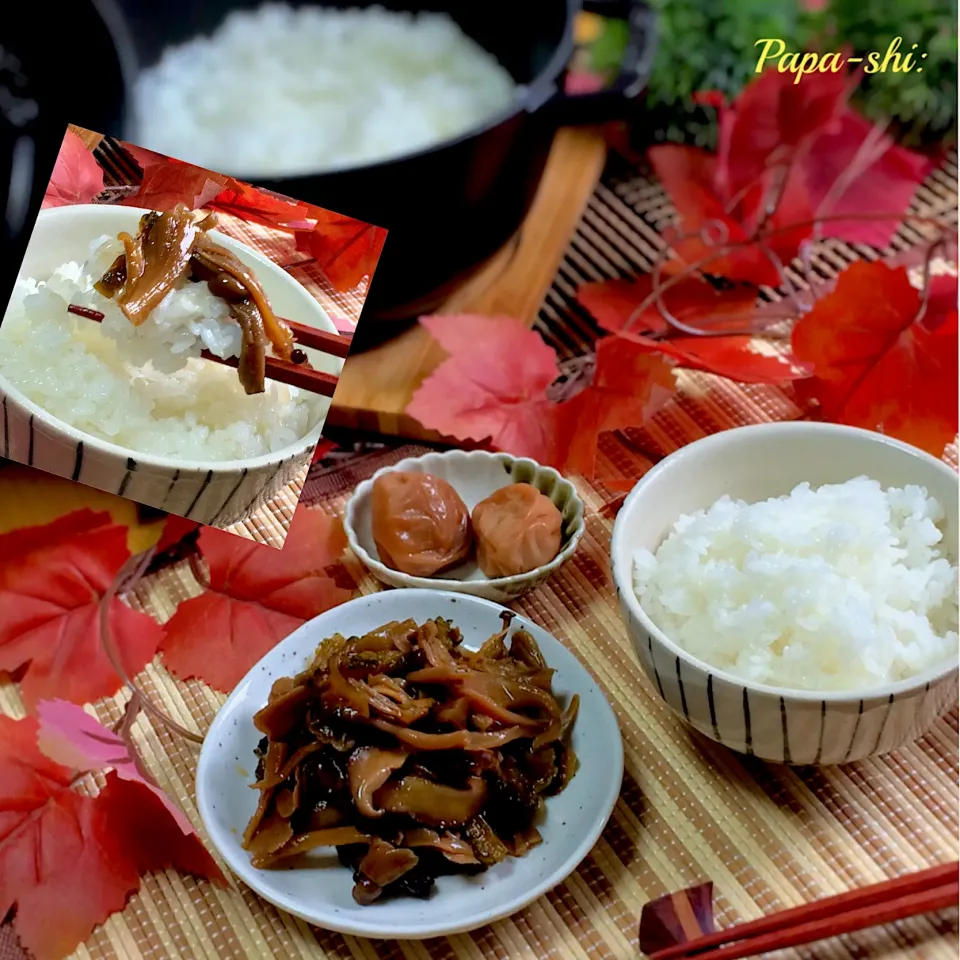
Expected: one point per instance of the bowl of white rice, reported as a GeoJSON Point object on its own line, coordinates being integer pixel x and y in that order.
{"type": "Point", "coordinates": [134, 410]}
{"type": "Point", "coordinates": [791, 589]}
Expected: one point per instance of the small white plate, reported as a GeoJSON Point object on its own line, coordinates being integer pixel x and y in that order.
{"type": "Point", "coordinates": [474, 474]}
{"type": "Point", "coordinates": [321, 891]}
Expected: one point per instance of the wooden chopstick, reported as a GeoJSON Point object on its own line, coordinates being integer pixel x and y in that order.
{"type": "Point", "coordinates": [334, 344]}
{"type": "Point", "coordinates": [299, 375]}
{"type": "Point", "coordinates": [938, 898]}
{"type": "Point", "coordinates": [927, 890]}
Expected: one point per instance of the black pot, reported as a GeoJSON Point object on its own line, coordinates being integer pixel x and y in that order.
{"type": "Point", "coordinates": [55, 67]}
{"type": "Point", "coordinates": [448, 208]}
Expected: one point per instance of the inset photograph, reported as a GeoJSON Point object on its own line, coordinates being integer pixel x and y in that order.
{"type": "Point", "coordinates": [175, 335]}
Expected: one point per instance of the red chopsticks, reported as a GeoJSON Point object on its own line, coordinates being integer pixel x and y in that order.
{"type": "Point", "coordinates": [300, 375]}
{"type": "Point", "coordinates": [923, 892]}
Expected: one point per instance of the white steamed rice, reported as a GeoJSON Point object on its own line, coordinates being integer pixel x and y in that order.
{"type": "Point", "coordinates": [278, 91]}
{"type": "Point", "coordinates": [142, 387]}
{"type": "Point", "coordinates": [839, 588]}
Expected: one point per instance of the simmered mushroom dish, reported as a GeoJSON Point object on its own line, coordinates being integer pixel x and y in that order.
{"type": "Point", "coordinates": [411, 755]}
{"type": "Point", "coordinates": [171, 246]}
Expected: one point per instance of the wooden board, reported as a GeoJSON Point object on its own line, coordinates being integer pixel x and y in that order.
{"type": "Point", "coordinates": [376, 385]}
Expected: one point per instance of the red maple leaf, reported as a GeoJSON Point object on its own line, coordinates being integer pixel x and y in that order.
{"type": "Point", "coordinates": [346, 250]}
{"type": "Point", "coordinates": [876, 364]}
{"type": "Point", "coordinates": [878, 177]}
{"type": "Point", "coordinates": [146, 157]}
{"type": "Point", "coordinates": [70, 736]}
{"type": "Point", "coordinates": [68, 861]}
{"type": "Point", "coordinates": [772, 121]}
{"type": "Point", "coordinates": [76, 177]}
{"type": "Point", "coordinates": [494, 386]}
{"type": "Point", "coordinates": [255, 597]}
{"type": "Point", "coordinates": [788, 154]}
{"type": "Point", "coordinates": [696, 303]}
{"type": "Point", "coordinates": [491, 387]}
{"type": "Point", "coordinates": [630, 383]}
{"type": "Point", "coordinates": [739, 358]}
{"type": "Point", "coordinates": [246, 202]}
{"type": "Point", "coordinates": [168, 182]}
{"type": "Point", "coordinates": [175, 528]}
{"type": "Point", "coordinates": [689, 175]}
{"type": "Point", "coordinates": [691, 300]}
{"type": "Point", "coordinates": [52, 580]}
{"type": "Point", "coordinates": [323, 449]}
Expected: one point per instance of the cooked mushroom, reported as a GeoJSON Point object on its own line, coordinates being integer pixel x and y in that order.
{"type": "Point", "coordinates": [170, 246]}
{"type": "Point", "coordinates": [411, 755]}
{"type": "Point", "coordinates": [368, 769]}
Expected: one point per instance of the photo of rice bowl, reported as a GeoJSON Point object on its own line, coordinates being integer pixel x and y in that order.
{"type": "Point", "coordinates": [149, 354]}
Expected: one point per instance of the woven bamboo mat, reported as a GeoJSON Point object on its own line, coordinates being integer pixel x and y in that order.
{"type": "Point", "coordinates": [768, 837]}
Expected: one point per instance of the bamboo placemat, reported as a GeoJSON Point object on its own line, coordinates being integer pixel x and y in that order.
{"type": "Point", "coordinates": [689, 810]}
{"type": "Point", "coordinates": [769, 837]}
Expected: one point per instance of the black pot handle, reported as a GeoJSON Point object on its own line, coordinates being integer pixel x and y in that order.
{"type": "Point", "coordinates": [614, 103]}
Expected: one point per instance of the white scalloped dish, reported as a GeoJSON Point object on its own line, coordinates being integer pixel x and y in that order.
{"type": "Point", "coordinates": [317, 887]}
{"type": "Point", "coordinates": [474, 475]}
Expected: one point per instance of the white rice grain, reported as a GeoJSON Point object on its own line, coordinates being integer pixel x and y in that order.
{"type": "Point", "coordinates": [143, 388]}
{"type": "Point", "coordinates": [280, 91]}
{"type": "Point", "coordinates": [839, 588]}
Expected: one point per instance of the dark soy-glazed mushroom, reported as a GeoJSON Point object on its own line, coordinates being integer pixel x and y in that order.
{"type": "Point", "coordinates": [412, 756]}
{"type": "Point", "coordinates": [170, 247]}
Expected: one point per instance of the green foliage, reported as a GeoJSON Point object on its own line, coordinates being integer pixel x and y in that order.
{"type": "Point", "coordinates": [923, 105]}
{"type": "Point", "coordinates": [709, 45]}
{"type": "Point", "coordinates": [606, 52]}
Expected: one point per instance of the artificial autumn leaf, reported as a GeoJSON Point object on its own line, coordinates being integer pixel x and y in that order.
{"type": "Point", "coordinates": [146, 157]}
{"type": "Point", "coordinates": [52, 579]}
{"type": "Point", "coordinates": [941, 301]}
{"type": "Point", "coordinates": [151, 839]}
{"type": "Point", "coordinates": [772, 121]}
{"type": "Point", "coordinates": [630, 383]}
{"type": "Point", "coordinates": [247, 203]}
{"type": "Point", "coordinates": [30, 498]}
{"type": "Point", "coordinates": [17, 544]}
{"type": "Point", "coordinates": [691, 300]}
{"type": "Point", "coordinates": [875, 364]}
{"type": "Point", "coordinates": [614, 304]}
{"type": "Point", "coordinates": [255, 597]}
{"type": "Point", "coordinates": [76, 177]}
{"type": "Point", "coordinates": [322, 450]}
{"type": "Point", "coordinates": [175, 528]}
{"type": "Point", "coordinates": [169, 182]}
{"type": "Point", "coordinates": [491, 387]}
{"type": "Point", "coordinates": [738, 358]}
{"type": "Point", "coordinates": [68, 735]}
{"type": "Point", "coordinates": [788, 155]}
{"type": "Point", "coordinates": [68, 861]}
{"type": "Point", "coordinates": [695, 303]}
{"type": "Point", "coordinates": [841, 162]}
{"type": "Point", "coordinates": [688, 175]}
{"type": "Point", "coordinates": [879, 176]}
{"type": "Point", "coordinates": [346, 250]}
